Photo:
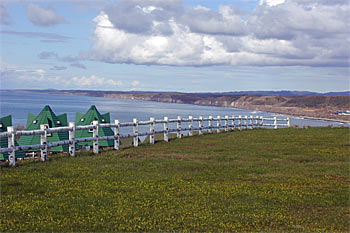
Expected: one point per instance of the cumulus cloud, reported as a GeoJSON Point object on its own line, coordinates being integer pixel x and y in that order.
{"type": "Point", "coordinates": [226, 21]}
{"type": "Point", "coordinates": [277, 32]}
{"type": "Point", "coordinates": [43, 16]}
{"type": "Point", "coordinates": [144, 17]}
{"type": "Point", "coordinates": [291, 19]}
{"type": "Point", "coordinates": [271, 2]}
{"type": "Point", "coordinates": [94, 81]}
{"type": "Point", "coordinates": [183, 47]}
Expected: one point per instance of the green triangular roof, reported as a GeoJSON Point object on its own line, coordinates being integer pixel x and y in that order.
{"type": "Point", "coordinates": [78, 116]}
{"type": "Point", "coordinates": [46, 116]}
{"type": "Point", "coordinates": [86, 119]}
{"type": "Point", "coordinates": [30, 119]}
{"type": "Point", "coordinates": [4, 123]}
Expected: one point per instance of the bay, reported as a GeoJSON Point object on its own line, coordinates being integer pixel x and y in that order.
{"type": "Point", "coordinates": [20, 104]}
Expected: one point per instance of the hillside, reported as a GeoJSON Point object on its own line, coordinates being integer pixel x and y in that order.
{"type": "Point", "coordinates": [261, 180]}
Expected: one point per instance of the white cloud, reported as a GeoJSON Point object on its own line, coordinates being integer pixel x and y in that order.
{"type": "Point", "coordinates": [290, 20]}
{"type": "Point", "coordinates": [135, 83]}
{"type": "Point", "coordinates": [277, 32]}
{"type": "Point", "coordinates": [271, 2]}
{"type": "Point", "coordinates": [225, 21]}
{"type": "Point", "coordinates": [93, 82]}
{"type": "Point", "coordinates": [13, 76]}
{"type": "Point", "coordinates": [149, 9]}
{"type": "Point", "coordinates": [43, 16]}
{"type": "Point", "coordinates": [183, 47]}
{"type": "Point", "coordinates": [40, 73]}
{"type": "Point", "coordinates": [14, 73]}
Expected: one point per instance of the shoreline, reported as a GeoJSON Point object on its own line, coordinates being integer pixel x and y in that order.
{"type": "Point", "coordinates": [299, 116]}
{"type": "Point", "coordinates": [325, 119]}
{"type": "Point", "coordinates": [260, 110]}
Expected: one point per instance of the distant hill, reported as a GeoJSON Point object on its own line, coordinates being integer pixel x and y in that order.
{"type": "Point", "coordinates": [344, 93]}
{"type": "Point", "coordinates": [241, 99]}
{"type": "Point", "coordinates": [238, 93]}
{"type": "Point", "coordinates": [286, 93]}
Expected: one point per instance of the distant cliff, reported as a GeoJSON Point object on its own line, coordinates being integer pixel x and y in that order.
{"type": "Point", "coordinates": [309, 106]}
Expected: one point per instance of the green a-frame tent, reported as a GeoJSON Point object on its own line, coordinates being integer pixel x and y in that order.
{"type": "Point", "coordinates": [86, 119]}
{"type": "Point", "coordinates": [4, 123]}
{"type": "Point", "coordinates": [46, 116]}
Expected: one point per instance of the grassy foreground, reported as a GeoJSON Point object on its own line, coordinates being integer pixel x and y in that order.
{"type": "Point", "coordinates": [255, 180]}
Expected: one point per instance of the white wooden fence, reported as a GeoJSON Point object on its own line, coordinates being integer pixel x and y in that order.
{"type": "Point", "coordinates": [230, 123]}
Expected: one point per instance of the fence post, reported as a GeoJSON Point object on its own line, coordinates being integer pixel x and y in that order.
{"type": "Point", "coordinates": [95, 135]}
{"type": "Point", "coordinates": [256, 122]}
{"type": "Point", "coordinates": [190, 125]}
{"type": "Point", "coordinates": [116, 134]}
{"type": "Point", "coordinates": [210, 124]}
{"type": "Point", "coordinates": [288, 122]}
{"type": "Point", "coordinates": [275, 122]}
{"type": "Point", "coordinates": [218, 124]}
{"type": "Point", "coordinates": [11, 144]}
{"type": "Point", "coordinates": [233, 123]}
{"type": "Point", "coordinates": [226, 123]}
{"type": "Point", "coordinates": [166, 129]}
{"type": "Point", "coordinates": [179, 127]}
{"type": "Point", "coordinates": [151, 129]}
{"type": "Point", "coordinates": [240, 122]}
{"type": "Point", "coordinates": [200, 125]}
{"type": "Point", "coordinates": [251, 122]}
{"type": "Point", "coordinates": [136, 132]}
{"type": "Point", "coordinates": [261, 122]}
{"type": "Point", "coordinates": [246, 121]}
{"type": "Point", "coordinates": [43, 141]}
{"type": "Point", "coordinates": [72, 138]}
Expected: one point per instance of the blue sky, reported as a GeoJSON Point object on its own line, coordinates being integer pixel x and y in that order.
{"type": "Point", "coordinates": [174, 45]}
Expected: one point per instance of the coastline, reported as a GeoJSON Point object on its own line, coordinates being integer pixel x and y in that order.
{"type": "Point", "coordinates": [202, 101]}
{"type": "Point", "coordinates": [325, 119]}
{"type": "Point", "coordinates": [309, 117]}
{"type": "Point", "coordinates": [287, 113]}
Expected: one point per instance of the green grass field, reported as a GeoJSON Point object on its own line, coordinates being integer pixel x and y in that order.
{"type": "Point", "coordinates": [254, 180]}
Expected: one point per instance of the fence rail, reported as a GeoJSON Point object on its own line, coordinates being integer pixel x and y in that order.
{"type": "Point", "coordinates": [230, 123]}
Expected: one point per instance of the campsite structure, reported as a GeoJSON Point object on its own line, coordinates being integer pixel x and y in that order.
{"type": "Point", "coordinates": [4, 123]}
{"type": "Point", "coordinates": [87, 119]}
{"type": "Point", "coordinates": [49, 118]}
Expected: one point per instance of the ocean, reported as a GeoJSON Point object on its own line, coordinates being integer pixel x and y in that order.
{"type": "Point", "coordinates": [20, 104]}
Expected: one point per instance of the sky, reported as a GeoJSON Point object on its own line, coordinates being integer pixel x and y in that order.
{"type": "Point", "coordinates": [175, 45]}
